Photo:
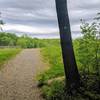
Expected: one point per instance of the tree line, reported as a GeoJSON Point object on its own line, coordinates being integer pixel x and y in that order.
{"type": "Point", "coordinates": [24, 41]}
{"type": "Point", "coordinates": [8, 39]}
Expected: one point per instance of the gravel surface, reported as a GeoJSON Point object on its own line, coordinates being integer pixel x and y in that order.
{"type": "Point", "coordinates": [18, 77]}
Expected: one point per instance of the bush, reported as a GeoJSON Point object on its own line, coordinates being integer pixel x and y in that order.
{"type": "Point", "coordinates": [54, 91]}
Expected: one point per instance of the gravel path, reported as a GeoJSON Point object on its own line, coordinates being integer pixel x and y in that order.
{"type": "Point", "coordinates": [17, 78]}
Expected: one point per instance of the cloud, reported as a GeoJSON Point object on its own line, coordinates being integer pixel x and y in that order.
{"type": "Point", "coordinates": [39, 16]}
{"type": "Point", "coordinates": [29, 29]}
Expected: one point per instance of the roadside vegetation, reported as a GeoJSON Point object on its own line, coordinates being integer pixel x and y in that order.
{"type": "Point", "coordinates": [6, 54]}
{"type": "Point", "coordinates": [87, 53]}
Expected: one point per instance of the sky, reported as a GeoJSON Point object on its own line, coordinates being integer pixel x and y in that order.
{"type": "Point", "coordinates": [38, 18]}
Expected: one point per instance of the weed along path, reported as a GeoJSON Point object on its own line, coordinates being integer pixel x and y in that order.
{"type": "Point", "coordinates": [17, 78]}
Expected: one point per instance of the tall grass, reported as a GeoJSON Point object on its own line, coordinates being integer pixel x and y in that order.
{"type": "Point", "coordinates": [52, 54]}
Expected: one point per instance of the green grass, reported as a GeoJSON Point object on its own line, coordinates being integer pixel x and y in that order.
{"type": "Point", "coordinates": [55, 90]}
{"type": "Point", "coordinates": [6, 54]}
{"type": "Point", "coordinates": [52, 54]}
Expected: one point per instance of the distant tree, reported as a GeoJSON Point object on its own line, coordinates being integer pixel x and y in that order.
{"type": "Point", "coordinates": [71, 70]}
{"type": "Point", "coordinates": [25, 42]}
{"type": "Point", "coordinates": [22, 42]}
{"type": "Point", "coordinates": [7, 39]}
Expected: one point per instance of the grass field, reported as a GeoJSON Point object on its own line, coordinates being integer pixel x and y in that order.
{"type": "Point", "coordinates": [6, 54]}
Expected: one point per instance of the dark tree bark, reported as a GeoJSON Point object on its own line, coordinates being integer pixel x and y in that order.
{"type": "Point", "coordinates": [71, 70]}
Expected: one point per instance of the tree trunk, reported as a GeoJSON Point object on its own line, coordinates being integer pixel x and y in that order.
{"type": "Point", "coordinates": [70, 66]}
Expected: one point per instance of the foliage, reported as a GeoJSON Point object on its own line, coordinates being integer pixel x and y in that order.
{"type": "Point", "coordinates": [88, 48]}
{"type": "Point", "coordinates": [54, 91]}
{"type": "Point", "coordinates": [87, 52]}
{"type": "Point", "coordinates": [7, 39]}
{"type": "Point", "coordinates": [25, 42]}
{"type": "Point", "coordinates": [52, 54]}
{"type": "Point", "coordinates": [57, 91]}
{"type": "Point", "coordinates": [6, 54]}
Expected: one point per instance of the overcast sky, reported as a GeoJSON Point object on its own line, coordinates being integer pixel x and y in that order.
{"type": "Point", "coordinates": [38, 17]}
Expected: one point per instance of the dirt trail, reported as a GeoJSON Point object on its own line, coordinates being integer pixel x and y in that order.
{"type": "Point", "coordinates": [16, 78]}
